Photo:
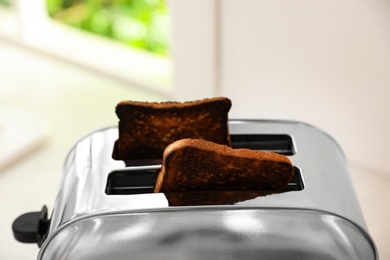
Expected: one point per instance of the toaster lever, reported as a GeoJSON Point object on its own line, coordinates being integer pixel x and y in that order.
{"type": "Point", "coordinates": [31, 227]}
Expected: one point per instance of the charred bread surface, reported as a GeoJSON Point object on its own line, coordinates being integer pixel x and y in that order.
{"type": "Point", "coordinates": [199, 165]}
{"type": "Point", "coordinates": [146, 128]}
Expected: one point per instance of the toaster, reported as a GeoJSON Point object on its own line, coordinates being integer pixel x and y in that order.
{"type": "Point", "coordinates": [106, 208]}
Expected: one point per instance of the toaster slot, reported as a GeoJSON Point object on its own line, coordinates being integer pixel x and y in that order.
{"type": "Point", "coordinates": [141, 180]}
{"type": "Point", "coordinates": [134, 180]}
{"type": "Point", "coordinates": [277, 143]}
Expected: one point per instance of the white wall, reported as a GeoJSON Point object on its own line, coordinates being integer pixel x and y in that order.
{"type": "Point", "coordinates": [323, 62]}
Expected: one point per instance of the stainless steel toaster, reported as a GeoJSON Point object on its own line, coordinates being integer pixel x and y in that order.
{"type": "Point", "coordinates": [106, 208]}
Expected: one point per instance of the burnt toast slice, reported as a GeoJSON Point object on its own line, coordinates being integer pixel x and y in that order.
{"type": "Point", "coordinates": [193, 165]}
{"type": "Point", "coordinates": [147, 128]}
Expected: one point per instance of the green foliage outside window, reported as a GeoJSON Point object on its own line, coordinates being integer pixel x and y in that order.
{"type": "Point", "coordinates": [5, 3]}
{"type": "Point", "coordinates": [139, 23]}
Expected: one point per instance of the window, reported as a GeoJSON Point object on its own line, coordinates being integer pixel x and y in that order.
{"type": "Point", "coordinates": [138, 23]}
{"type": "Point", "coordinates": [5, 3]}
{"type": "Point", "coordinates": [142, 60]}
{"type": "Point", "coordinates": [192, 70]}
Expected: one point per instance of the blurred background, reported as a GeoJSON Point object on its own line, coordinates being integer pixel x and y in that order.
{"type": "Point", "coordinates": [65, 64]}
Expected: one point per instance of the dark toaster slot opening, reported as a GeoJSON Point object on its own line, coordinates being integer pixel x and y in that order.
{"type": "Point", "coordinates": [277, 143]}
{"type": "Point", "coordinates": [141, 181]}
{"type": "Point", "coordinates": [127, 182]}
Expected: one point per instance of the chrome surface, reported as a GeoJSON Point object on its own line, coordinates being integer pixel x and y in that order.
{"type": "Point", "coordinates": [210, 233]}
{"type": "Point", "coordinates": [82, 203]}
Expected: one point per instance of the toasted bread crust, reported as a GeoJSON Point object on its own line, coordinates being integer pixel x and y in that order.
{"type": "Point", "coordinates": [200, 165]}
{"type": "Point", "coordinates": [146, 128]}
